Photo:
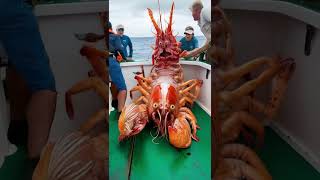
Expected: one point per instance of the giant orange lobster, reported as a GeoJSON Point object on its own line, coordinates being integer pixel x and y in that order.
{"type": "Point", "coordinates": [164, 94]}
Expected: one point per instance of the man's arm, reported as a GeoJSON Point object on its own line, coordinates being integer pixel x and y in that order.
{"type": "Point", "coordinates": [119, 47]}
{"type": "Point", "coordinates": [206, 14]}
{"type": "Point", "coordinates": [130, 47]}
{"type": "Point", "coordinates": [196, 43]}
{"type": "Point", "coordinates": [197, 51]}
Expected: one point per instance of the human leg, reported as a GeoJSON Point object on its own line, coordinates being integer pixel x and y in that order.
{"type": "Point", "coordinates": [22, 41]}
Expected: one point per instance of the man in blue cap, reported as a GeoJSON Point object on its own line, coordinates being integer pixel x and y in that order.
{"type": "Point", "coordinates": [22, 41]}
{"type": "Point", "coordinates": [116, 50]}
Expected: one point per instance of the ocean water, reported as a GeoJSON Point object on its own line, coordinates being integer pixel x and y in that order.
{"type": "Point", "coordinates": [142, 50]}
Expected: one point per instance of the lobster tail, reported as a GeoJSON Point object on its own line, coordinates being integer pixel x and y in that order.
{"type": "Point", "coordinates": [169, 28]}
{"type": "Point", "coordinates": [154, 22]}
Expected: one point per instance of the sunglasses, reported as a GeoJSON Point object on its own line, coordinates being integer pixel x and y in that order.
{"type": "Point", "coordinates": [120, 29]}
{"type": "Point", "coordinates": [187, 34]}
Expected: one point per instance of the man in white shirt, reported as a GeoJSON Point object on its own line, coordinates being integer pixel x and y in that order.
{"type": "Point", "coordinates": [203, 16]}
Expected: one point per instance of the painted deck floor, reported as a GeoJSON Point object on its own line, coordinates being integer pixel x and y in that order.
{"type": "Point", "coordinates": [161, 161]}
{"type": "Point", "coordinates": [152, 161]}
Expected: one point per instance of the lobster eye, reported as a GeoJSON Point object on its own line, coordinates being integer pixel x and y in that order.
{"type": "Point", "coordinates": [172, 107]}
{"type": "Point", "coordinates": [155, 105]}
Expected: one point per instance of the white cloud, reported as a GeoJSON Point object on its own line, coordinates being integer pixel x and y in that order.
{"type": "Point", "coordinates": [133, 15]}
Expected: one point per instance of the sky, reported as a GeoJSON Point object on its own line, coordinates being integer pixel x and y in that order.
{"type": "Point", "coordinates": [133, 15]}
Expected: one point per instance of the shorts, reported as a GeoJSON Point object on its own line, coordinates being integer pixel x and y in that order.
{"type": "Point", "coordinates": [116, 74]}
{"type": "Point", "coordinates": [21, 38]}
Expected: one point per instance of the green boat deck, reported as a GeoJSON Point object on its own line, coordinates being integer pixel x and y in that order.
{"type": "Point", "coordinates": [162, 161]}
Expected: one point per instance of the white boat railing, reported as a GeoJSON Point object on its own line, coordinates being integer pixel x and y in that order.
{"type": "Point", "coordinates": [192, 70]}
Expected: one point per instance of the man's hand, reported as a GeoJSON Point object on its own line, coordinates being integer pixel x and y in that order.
{"type": "Point", "coordinates": [197, 51]}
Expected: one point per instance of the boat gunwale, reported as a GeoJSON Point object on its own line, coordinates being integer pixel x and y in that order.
{"type": "Point", "coordinates": [149, 63]}
{"type": "Point", "coordinates": [290, 9]}
{"type": "Point", "coordinates": [74, 8]}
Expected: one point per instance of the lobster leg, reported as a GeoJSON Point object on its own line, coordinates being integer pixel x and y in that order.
{"type": "Point", "coordinates": [140, 89]}
{"type": "Point", "coordinates": [221, 55]}
{"type": "Point", "coordinates": [194, 81]}
{"type": "Point", "coordinates": [241, 152]}
{"type": "Point", "coordinates": [141, 78]}
{"type": "Point", "coordinates": [93, 120]}
{"type": "Point", "coordinates": [141, 99]}
{"type": "Point", "coordinates": [279, 88]}
{"type": "Point", "coordinates": [193, 122]}
{"type": "Point", "coordinates": [97, 61]}
{"type": "Point", "coordinates": [249, 86]}
{"type": "Point", "coordinates": [197, 86]}
{"type": "Point", "coordinates": [187, 110]}
{"type": "Point", "coordinates": [144, 82]}
{"type": "Point", "coordinates": [183, 101]}
{"type": "Point", "coordinates": [238, 169]}
{"type": "Point", "coordinates": [92, 83]}
{"type": "Point", "coordinates": [262, 79]}
{"type": "Point", "coordinates": [232, 127]}
{"type": "Point", "coordinates": [237, 73]}
{"type": "Point", "coordinates": [193, 85]}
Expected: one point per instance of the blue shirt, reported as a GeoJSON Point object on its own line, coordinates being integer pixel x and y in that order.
{"type": "Point", "coordinates": [189, 45]}
{"type": "Point", "coordinates": [126, 41]}
{"type": "Point", "coordinates": [116, 45]}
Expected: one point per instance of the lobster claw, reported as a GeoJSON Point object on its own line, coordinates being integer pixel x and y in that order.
{"type": "Point", "coordinates": [132, 120]}
{"type": "Point", "coordinates": [180, 133]}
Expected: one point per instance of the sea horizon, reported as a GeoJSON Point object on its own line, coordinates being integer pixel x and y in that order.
{"type": "Point", "coordinates": [142, 50]}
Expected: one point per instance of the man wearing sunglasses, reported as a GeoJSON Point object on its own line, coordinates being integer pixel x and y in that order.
{"type": "Point", "coordinates": [126, 41]}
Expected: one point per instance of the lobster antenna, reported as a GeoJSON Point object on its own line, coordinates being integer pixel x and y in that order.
{"type": "Point", "coordinates": [153, 21]}
{"type": "Point", "coordinates": [169, 28]}
{"type": "Point", "coordinates": [160, 15]}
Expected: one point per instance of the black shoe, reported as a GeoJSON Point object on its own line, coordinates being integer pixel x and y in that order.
{"type": "Point", "coordinates": [114, 104]}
